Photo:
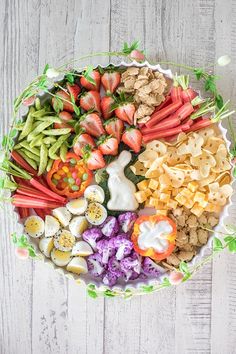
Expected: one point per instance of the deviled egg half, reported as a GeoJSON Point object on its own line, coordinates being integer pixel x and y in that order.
{"type": "Point", "coordinates": [78, 225]}
{"type": "Point", "coordinates": [96, 213]}
{"type": "Point", "coordinates": [94, 193]}
{"type": "Point", "coordinates": [77, 206]}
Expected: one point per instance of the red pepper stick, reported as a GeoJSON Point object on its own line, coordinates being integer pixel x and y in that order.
{"type": "Point", "coordinates": [199, 125]}
{"type": "Point", "coordinates": [34, 193]}
{"type": "Point", "coordinates": [165, 103]}
{"type": "Point", "coordinates": [19, 159]}
{"type": "Point", "coordinates": [47, 191]}
{"type": "Point", "coordinates": [163, 113]}
{"type": "Point", "coordinates": [176, 93]}
{"type": "Point", "coordinates": [23, 212]}
{"type": "Point", "coordinates": [164, 124]}
{"type": "Point", "coordinates": [27, 202]}
{"type": "Point", "coordinates": [162, 134]}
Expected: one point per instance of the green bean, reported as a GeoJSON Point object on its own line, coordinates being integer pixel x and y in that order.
{"type": "Point", "coordinates": [31, 155]}
{"type": "Point", "coordinates": [25, 145]}
{"type": "Point", "coordinates": [57, 131]}
{"type": "Point", "coordinates": [49, 140]}
{"type": "Point", "coordinates": [63, 151]}
{"type": "Point", "coordinates": [54, 119]}
{"type": "Point", "coordinates": [31, 162]}
{"type": "Point", "coordinates": [37, 141]}
{"type": "Point", "coordinates": [43, 159]}
{"type": "Point", "coordinates": [37, 104]}
{"type": "Point", "coordinates": [53, 149]}
{"type": "Point", "coordinates": [49, 165]}
{"type": "Point", "coordinates": [39, 129]}
{"type": "Point", "coordinates": [28, 124]}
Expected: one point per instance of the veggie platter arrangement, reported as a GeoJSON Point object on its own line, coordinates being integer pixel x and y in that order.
{"type": "Point", "coordinates": [120, 174]}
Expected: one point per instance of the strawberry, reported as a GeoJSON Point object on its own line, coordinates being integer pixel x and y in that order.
{"type": "Point", "coordinates": [133, 138]}
{"type": "Point", "coordinates": [92, 124]}
{"type": "Point", "coordinates": [125, 112]}
{"type": "Point", "coordinates": [93, 158]}
{"type": "Point", "coordinates": [95, 75]}
{"type": "Point", "coordinates": [65, 116]}
{"type": "Point", "coordinates": [74, 90]}
{"type": "Point", "coordinates": [110, 81]}
{"type": "Point", "coordinates": [106, 104]}
{"type": "Point", "coordinates": [137, 55]}
{"type": "Point", "coordinates": [81, 141]}
{"type": "Point", "coordinates": [108, 145]}
{"type": "Point", "coordinates": [114, 127]}
{"type": "Point", "coordinates": [91, 100]}
{"type": "Point", "coordinates": [67, 106]}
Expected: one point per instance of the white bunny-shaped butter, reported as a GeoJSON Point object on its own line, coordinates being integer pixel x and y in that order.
{"type": "Point", "coordinates": [120, 187]}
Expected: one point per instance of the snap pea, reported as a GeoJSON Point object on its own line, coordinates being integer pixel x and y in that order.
{"type": "Point", "coordinates": [25, 145]}
{"type": "Point", "coordinates": [49, 165]}
{"type": "Point", "coordinates": [37, 104]}
{"type": "Point", "coordinates": [28, 124]}
{"type": "Point", "coordinates": [19, 126]}
{"type": "Point", "coordinates": [42, 112]}
{"type": "Point", "coordinates": [31, 155]}
{"type": "Point", "coordinates": [53, 149]}
{"type": "Point", "coordinates": [56, 131]}
{"type": "Point", "coordinates": [43, 159]}
{"type": "Point", "coordinates": [63, 151]}
{"type": "Point", "coordinates": [39, 129]}
{"type": "Point", "coordinates": [31, 162]}
{"type": "Point", "coordinates": [37, 141]}
{"type": "Point", "coordinates": [52, 119]}
{"type": "Point", "coordinates": [49, 140]}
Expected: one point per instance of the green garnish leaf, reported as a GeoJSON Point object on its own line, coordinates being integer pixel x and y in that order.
{"type": "Point", "coordinates": [147, 288]}
{"type": "Point", "coordinates": [109, 293]}
{"type": "Point", "coordinates": [58, 104]}
{"type": "Point", "coordinates": [183, 267]}
{"type": "Point", "coordinates": [128, 49]}
{"type": "Point", "coordinates": [45, 69]}
{"type": "Point", "coordinates": [87, 74]}
{"type": "Point", "coordinates": [198, 73]}
{"type": "Point", "coordinates": [76, 109]}
{"type": "Point", "coordinates": [219, 101]}
{"type": "Point", "coordinates": [217, 245]}
{"type": "Point", "coordinates": [70, 78]}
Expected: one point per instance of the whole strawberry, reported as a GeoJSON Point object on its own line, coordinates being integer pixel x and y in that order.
{"type": "Point", "coordinates": [90, 101]}
{"type": "Point", "coordinates": [125, 111]}
{"type": "Point", "coordinates": [92, 124]}
{"type": "Point", "coordinates": [110, 81]}
{"type": "Point", "coordinates": [81, 141]}
{"type": "Point", "coordinates": [93, 158]}
{"type": "Point", "coordinates": [108, 145]}
{"type": "Point", "coordinates": [65, 117]}
{"type": "Point", "coordinates": [106, 106]}
{"type": "Point", "coordinates": [86, 82]}
{"type": "Point", "coordinates": [133, 138]}
{"type": "Point", "coordinates": [114, 127]}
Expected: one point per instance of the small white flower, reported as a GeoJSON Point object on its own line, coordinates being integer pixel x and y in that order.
{"type": "Point", "coordinates": [51, 73]}
{"type": "Point", "coordinates": [223, 60]}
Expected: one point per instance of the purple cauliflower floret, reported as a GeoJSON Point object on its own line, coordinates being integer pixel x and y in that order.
{"type": "Point", "coordinates": [122, 245]}
{"type": "Point", "coordinates": [131, 266]}
{"type": "Point", "coordinates": [127, 220]}
{"type": "Point", "coordinates": [106, 249]}
{"type": "Point", "coordinates": [114, 267]}
{"type": "Point", "coordinates": [92, 236]}
{"type": "Point", "coordinates": [151, 268]}
{"type": "Point", "coordinates": [110, 227]}
{"type": "Point", "coordinates": [95, 266]}
{"type": "Point", "coordinates": [109, 279]}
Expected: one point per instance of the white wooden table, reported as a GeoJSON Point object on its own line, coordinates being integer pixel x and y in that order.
{"type": "Point", "coordinates": [41, 312]}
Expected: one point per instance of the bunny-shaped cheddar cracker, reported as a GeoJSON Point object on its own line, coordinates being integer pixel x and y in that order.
{"type": "Point", "coordinates": [120, 187]}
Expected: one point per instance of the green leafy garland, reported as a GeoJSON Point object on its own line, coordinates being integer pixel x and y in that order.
{"type": "Point", "coordinates": [44, 82]}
